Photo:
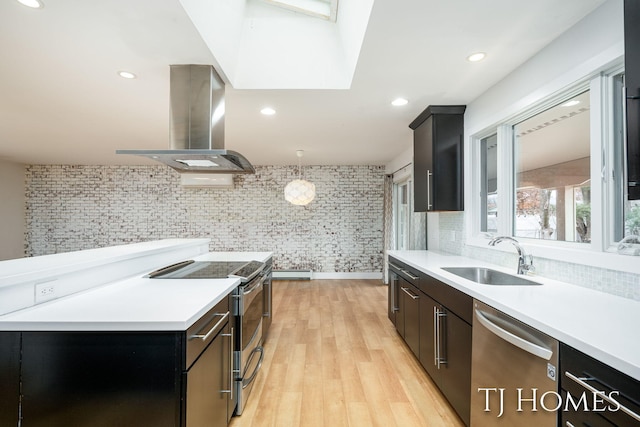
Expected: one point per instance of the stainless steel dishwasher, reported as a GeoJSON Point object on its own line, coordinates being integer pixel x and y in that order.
{"type": "Point", "coordinates": [513, 373]}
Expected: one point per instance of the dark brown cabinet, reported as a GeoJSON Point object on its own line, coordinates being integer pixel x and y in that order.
{"type": "Point", "coordinates": [404, 303]}
{"type": "Point", "coordinates": [435, 321]}
{"type": "Point", "coordinates": [136, 378]}
{"type": "Point", "coordinates": [410, 308]}
{"type": "Point", "coordinates": [445, 349]}
{"type": "Point", "coordinates": [9, 378]}
{"type": "Point", "coordinates": [632, 83]}
{"type": "Point", "coordinates": [438, 161]}
{"type": "Point", "coordinates": [618, 402]}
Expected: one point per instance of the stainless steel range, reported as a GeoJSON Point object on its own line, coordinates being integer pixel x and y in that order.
{"type": "Point", "coordinates": [248, 310]}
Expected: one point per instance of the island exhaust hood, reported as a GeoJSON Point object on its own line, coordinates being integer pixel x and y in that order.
{"type": "Point", "coordinates": [197, 125]}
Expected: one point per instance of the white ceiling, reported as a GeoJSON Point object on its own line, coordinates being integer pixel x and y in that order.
{"type": "Point", "coordinates": [61, 101]}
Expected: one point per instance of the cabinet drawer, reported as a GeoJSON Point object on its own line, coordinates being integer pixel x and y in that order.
{"type": "Point", "coordinates": [410, 274]}
{"type": "Point", "coordinates": [458, 302]}
{"type": "Point", "coordinates": [201, 333]}
{"type": "Point", "coordinates": [593, 373]}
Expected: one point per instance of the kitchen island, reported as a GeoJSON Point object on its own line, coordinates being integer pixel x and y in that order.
{"type": "Point", "coordinates": [130, 351]}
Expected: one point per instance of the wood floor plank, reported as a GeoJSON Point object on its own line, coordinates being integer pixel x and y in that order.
{"type": "Point", "coordinates": [332, 358]}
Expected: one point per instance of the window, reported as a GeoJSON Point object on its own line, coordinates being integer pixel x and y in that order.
{"type": "Point", "coordinates": [552, 173]}
{"type": "Point", "coordinates": [489, 182]}
{"type": "Point", "coordinates": [402, 214]}
{"type": "Point", "coordinates": [325, 9]}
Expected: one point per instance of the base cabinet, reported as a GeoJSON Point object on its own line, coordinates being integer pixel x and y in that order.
{"type": "Point", "coordinates": [410, 297]}
{"type": "Point", "coordinates": [154, 379]}
{"type": "Point", "coordinates": [9, 378]}
{"type": "Point", "coordinates": [584, 378]}
{"type": "Point", "coordinates": [85, 379]}
{"type": "Point", "coordinates": [434, 320]}
{"type": "Point", "coordinates": [445, 353]}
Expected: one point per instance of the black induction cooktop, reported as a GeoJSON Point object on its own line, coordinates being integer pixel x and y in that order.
{"type": "Point", "coordinates": [245, 270]}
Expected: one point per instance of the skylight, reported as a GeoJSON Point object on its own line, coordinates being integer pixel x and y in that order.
{"type": "Point", "coordinates": [325, 9]}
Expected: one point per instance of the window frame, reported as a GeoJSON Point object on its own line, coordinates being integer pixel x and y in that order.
{"type": "Point", "coordinates": [600, 252]}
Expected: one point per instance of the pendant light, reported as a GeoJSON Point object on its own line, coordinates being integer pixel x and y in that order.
{"type": "Point", "coordinates": [299, 192]}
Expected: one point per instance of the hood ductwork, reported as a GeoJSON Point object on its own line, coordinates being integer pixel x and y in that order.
{"type": "Point", "coordinates": [197, 125]}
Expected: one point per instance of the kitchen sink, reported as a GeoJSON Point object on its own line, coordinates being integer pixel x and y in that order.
{"type": "Point", "coordinates": [487, 276]}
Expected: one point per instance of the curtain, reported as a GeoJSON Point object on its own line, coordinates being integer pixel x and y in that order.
{"type": "Point", "coordinates": [387, 223]}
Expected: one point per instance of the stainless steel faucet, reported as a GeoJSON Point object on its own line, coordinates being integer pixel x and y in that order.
{"type": "Point", "coordinates": [525, 262]}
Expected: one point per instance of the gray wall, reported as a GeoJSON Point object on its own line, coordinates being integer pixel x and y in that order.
{"type": "Point", "coordinates": [12, 227]}
{"type": "Point", "coordinates": [79, 207]}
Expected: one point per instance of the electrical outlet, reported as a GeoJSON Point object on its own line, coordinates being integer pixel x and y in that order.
{"type": "Point", "coordinates": [45, 291]}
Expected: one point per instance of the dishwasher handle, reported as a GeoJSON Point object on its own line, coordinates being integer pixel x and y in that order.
{"type": "Point", "coordinates": [529, 347]}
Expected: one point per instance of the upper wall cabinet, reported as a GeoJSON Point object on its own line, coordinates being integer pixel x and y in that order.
{"type": "Point", "coordinates": [632, 83]}
{"type": "Point", "coordinates": [438, 158]}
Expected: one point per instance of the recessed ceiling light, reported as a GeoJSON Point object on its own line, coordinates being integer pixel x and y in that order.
{"type": "Point", "coordinates": [34, 4]}
{"type": "Point", "coordinates": [475, 57]}
{"type": "Point", "coordinates": [398, 102]}
{"type": "Point", "coordinates": [268, 111]}
{"type": "Point", "coordinates": [571, 103]}
{"type": "Point", "coordinates": [126, 75]}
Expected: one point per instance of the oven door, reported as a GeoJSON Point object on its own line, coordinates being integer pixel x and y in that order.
{"type": "Point", "coordinates": [250, 355]}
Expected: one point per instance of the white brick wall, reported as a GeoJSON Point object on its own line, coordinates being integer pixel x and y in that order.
{"type": "Point", "coordinates": [79, 207]}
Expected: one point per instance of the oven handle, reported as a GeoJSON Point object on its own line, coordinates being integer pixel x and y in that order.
{"type": "Point", "coordinates": [246, 382]}
{"type": "Point", "coordinates": [204, 337]}
{"type": "Point", "coordinates": [248, 290]}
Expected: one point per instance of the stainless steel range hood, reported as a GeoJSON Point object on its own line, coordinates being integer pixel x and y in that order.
{"type": "Point", "coordinates": [197, 125]}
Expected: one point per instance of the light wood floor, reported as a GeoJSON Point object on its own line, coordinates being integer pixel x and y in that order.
{"type": "Point", "coordinates": [333, 358]}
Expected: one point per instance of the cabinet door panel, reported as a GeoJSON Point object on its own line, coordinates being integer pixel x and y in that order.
{"type": "Point", "coordinates": [401, 307]}
{"type": "Point", "coordinates": [447, 193]}
{"type": "Point", "coordinates": [9, 378]}
{"type": "Point", "coordinates": [457, 371]}
{"type": "Point", "coordinates": [423, 162]}
{"type": "Point", "coordinates": [411, 297]}
{"type": "Point", "coordinates": [91, 379]}
{"type": "Point", "coordinates": [427, 338]}
{"type": "Point", "coordinates": [207, 380]}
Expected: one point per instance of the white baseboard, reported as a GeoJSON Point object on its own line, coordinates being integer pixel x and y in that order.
{"type": "Point", "coordinates": [310, 275]}
{"type": "Point", "coordinates": [292, 274]}
{"type": "Point", "coordinates": [347, 275]}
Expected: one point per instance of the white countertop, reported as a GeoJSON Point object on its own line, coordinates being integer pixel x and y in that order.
{"type": "Point", "coordinates": [601, 325]}
{"type": "Point", "coordinates": [132, 304]}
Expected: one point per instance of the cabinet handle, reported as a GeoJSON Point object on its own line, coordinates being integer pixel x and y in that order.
{"type": "Point", "coordinates": [435, 336]}
{"type": "Point", "coordinates": [406, 291]}
{"type": "Point", "coordinates": [230, 391]}
{"type": "Point", "coordinates": [394, 303]}
{"type": "Point", "coordinates": [429, 175]}
{"type": "Point", "coordinates": [582, 382]}
{"type": "Point", "coordinates": [437, 315]}
{"type": "Point", "coordinates": [568, 424]}
{"type": "Point", "coordinates": [411, 276]}
{"type": "Point", "coordinates": [206, 336]}
{"type": "Point", "coordinates": [392, 265]}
